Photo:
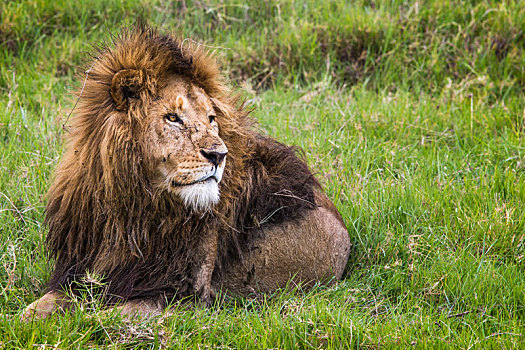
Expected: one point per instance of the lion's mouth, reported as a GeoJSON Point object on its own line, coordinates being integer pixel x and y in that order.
{"type": "Point", "coordinates": [200, 181]}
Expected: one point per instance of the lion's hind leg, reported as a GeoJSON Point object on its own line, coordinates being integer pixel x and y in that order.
{"type": "Point", "coordinates": [311, 249]}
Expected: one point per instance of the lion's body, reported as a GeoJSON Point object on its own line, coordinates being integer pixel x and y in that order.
{"type": "Point", "coordinates": [167, 192]}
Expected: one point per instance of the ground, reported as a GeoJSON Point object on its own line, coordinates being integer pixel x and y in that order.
{"type": "Point", "coordinates": [411, 114]}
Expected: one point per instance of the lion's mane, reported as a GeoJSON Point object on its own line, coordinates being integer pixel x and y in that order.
{"type": "Point", "coordinates": [103, 214]}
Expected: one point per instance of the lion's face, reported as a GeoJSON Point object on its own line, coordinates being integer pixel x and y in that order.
{"type": "Point", "coordinates": [186, 155]}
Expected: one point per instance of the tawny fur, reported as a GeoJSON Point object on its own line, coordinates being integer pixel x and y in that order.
{"type": "Point", "coordinates": [106, 216]}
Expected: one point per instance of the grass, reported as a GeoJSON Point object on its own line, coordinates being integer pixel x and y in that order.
{"type": "Point", "coordinates": [410, 112]}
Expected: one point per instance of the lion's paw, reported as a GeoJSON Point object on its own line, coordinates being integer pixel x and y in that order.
{"type": "Point", "coordinates": [44, 307]}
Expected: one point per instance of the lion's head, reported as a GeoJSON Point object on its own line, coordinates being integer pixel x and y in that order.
{"type": "Point", "coordinates": [183, 151]}
{"type": "Point", "coordinates": [175, 96]}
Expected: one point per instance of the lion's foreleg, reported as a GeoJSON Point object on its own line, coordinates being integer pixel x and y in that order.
{"type": "Point", "coordinates": [137, 309]}
{"type": "Point", "coordinates": [45, 306]}
{"type": "Point", "coordinates": [207, 253]}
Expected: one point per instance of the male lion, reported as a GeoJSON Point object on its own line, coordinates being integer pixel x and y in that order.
{"type": "Point", "coordinates": [167, 191]}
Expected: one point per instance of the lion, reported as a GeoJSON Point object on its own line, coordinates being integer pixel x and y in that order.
{"type": "Point", "coordinates": [167, 190]}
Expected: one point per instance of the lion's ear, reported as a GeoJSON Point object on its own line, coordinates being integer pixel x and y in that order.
{"type": "Point", "coordinates": [125, 85]}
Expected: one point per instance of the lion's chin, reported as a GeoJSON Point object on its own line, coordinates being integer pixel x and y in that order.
{"type": "Point", "coordinates": [200, 196]}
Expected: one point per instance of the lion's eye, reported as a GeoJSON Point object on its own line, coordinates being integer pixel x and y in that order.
{"type": "Point", "coordinates": [212, 119]}
{"type": "Point", "coordinates": [173, 118]}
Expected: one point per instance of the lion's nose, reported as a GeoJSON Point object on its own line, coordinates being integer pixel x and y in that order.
{"type": "Point", "coordinates": [214, 157]}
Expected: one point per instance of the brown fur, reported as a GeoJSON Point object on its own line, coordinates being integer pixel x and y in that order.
{"type": "Point", "coordinates": [103, 213]}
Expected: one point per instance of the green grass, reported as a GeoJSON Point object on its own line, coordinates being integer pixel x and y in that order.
{"type": "Point", "coordinates": [411, 113]}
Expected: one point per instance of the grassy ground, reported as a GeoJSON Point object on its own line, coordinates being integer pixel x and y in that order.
{"type": "Point", "coordinates": [411, 113]}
